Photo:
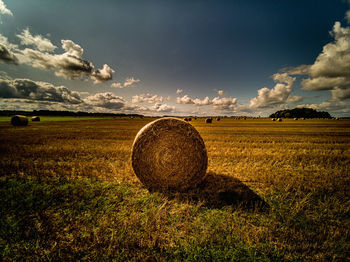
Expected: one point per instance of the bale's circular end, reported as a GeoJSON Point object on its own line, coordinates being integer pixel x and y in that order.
{"type": "Point", "coordinates": [169, 153]}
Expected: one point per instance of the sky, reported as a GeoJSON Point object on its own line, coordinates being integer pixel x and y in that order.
{"type": "Point", "coordinates": [190, 57]}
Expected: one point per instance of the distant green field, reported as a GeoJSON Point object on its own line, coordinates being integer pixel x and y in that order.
{"type": "Point", "coordinates": [56, 118]}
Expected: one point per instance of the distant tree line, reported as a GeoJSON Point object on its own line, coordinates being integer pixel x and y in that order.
{"type": "Point", "coordinates": [300, 113]}
{"type": "Point", "coordinates": [59, 113]}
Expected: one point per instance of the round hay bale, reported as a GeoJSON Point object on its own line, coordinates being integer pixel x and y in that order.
{"type": "Point", "coordinates": [208, 120]}
{"type": "Point", "coordinates": [35, 118]}
{"type": "Point", "coordinates": [273, 119]}
{"type": "Point", "coordinates": [279, 119]}
{"type": "Point", "coordinates": [169, 153]}
{"type": "Point", "coordinates": [19, 120]}
{"type": "Point", "coordinates": [218, 119]}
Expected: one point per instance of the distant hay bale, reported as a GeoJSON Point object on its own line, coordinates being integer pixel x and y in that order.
{"type": "Point", "coordinates": [273, 119]}
{"type": "Point", "coordinates": [279, 119]}
{"type": "Point", "coordinates": [186, 119]}
{"type": "Point", "coordinates": [296, 118]}
{"type": "Point", "coordinates": [19, 120]}
{"type": "Point", "coordinates": [218, 119]}
{"type": "Point", "coordinates": [189, 119]}
{"type": "Point", "coordinates": [208, 120]}
{"type": "Point", "coordinates": [169, 153]}
{"type": "Point", "coordinates": [35, 118]}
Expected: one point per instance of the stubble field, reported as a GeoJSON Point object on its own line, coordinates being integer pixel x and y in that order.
{"type": "Point", "coordinates": [273, 191]}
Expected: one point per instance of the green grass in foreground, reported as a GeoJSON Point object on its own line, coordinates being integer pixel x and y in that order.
{"type": "Point", "coordinates": [87, 219]}
{"type": "Point", "coordinates": [68, 192]}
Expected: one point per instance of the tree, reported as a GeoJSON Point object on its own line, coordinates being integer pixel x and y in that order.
{"type": "Point", "coordinates": [300, 113]}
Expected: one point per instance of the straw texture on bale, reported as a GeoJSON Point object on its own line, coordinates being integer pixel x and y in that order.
{"type": "Point", "coordinates": [35, 118]}
{"type": "Point", "coordinates": [169, 153]}
{"type": "Point", "coordinates": [19, 120]}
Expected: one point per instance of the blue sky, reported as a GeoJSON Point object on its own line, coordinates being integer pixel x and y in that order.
{"type": "Point", "coordinates": [175, 57]}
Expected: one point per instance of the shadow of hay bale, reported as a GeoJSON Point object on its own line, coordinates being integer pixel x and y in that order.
{"type": "Point", "coordinates": [217, 191]}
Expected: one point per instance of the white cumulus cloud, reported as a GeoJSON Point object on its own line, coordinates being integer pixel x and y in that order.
{"type": "Point", "coordinates": [69, 64]}
{"type": "Point", "coordinates": [130, 81]}
{"type": "Point", "coordinates": [39, 42]}
{"type": "Point", "coordinates": [224, 103]}
{"type": "Point", "coordinates": [72, 48]}
{"type": "Point", "coordinates": [277, 95]}
{"type": "Point", "coordinates": [149, 98]}
{"type": "Point", "coordinates": [331, 69]}
{"type": "Point", "coordinates": [159, 107]}
{"type": "Point", "coordinates": [185, 100]}
{"type": "Point", "coordinates": [218, 103]}
{"type": "Point", "coordinates": [4, 10]}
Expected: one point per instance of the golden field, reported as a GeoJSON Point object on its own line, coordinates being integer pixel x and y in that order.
{"type": "Point", "coordinates": [274, 191]}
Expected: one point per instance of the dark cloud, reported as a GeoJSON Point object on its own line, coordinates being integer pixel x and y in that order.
{"type": "Point", "coordinates": [338, 107]}
{"type": "Point", "coordinates": [7, 56]}
{"type": "Point", "coordinates": [65, 65]}
{"type": "Point", "coordinates": [37, 91]}
{"type": "Point", "coordinates": [106, 100]}
{"type": "Point", "coordinates": [102, 75]}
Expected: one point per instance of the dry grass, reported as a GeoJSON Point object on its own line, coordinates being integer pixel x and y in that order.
{"type": "Point", "coordinates": [274, 191]}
